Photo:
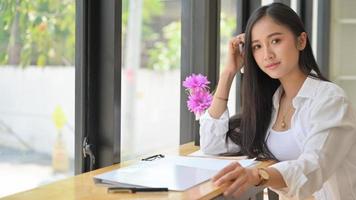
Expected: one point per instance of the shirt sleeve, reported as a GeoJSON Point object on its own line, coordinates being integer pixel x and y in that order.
{"type": "Point", "coordinates": [331, 137]}
{"type": "Point", "coordinates": [213, 135]}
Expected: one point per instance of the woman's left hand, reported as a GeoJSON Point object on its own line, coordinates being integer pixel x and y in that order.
{"type": "Point", "coordinates": [240, 177]}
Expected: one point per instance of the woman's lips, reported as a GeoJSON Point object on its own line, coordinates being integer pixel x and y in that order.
{"type": "Point", "coordinates": [273, 65]}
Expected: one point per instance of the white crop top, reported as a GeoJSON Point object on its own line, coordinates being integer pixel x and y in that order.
{"type": "Point", "coordinates": [283, 145]}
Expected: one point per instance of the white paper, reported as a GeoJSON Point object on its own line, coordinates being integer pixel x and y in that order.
{"type": "Point", "coordinates": [174, 172]}
{"type": "Point", "coordinates": [160, 174]}
{"type": "Point", "coordinates": [206, 163]}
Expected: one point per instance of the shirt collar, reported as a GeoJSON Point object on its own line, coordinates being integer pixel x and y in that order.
{"type": "Point", "coordinates": [307, 90]}
{"type": "Point", "coordinates": [277, 96]}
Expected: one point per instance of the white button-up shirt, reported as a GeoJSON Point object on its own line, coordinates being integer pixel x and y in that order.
{"type": "Point", "coordinates": [325, 124]}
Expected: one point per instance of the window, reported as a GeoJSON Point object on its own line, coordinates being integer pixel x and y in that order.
{"type": "Point", "coordinates": [228, 27]}
{"type": "Point", "coordinates": [150, 76]}
{"type": "Point", "coordinates": [37, 93]}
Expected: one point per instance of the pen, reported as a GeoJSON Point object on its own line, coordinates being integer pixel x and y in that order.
{"type": "Point", "coordinates": [154, 157]}
{"type": "Point", "coordinates": [135, 189]}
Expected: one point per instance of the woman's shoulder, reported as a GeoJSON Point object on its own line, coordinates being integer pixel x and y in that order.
{"type": "Point", "coordinates": [328, 97]}
{"type": "Point", "coordinates": [328, 89]}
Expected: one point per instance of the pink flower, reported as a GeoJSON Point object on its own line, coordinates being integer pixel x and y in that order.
{"type": "Point", "coordinates": [194, 82]}
{"type": "Point", "coordinates": [199, 101]}
{"type": "Point", "coordinates": [199, 98]}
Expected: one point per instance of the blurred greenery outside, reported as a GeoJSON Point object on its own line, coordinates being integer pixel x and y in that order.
{"type": "Point", "coordinates": [38, 32]}
{"type": "Point", "coordinates": [42, 33]}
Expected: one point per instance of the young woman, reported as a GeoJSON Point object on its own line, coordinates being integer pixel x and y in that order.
{"type": "Point", "coordinates": [290, 113]}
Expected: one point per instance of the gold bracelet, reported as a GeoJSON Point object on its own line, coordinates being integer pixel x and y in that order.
{"type": "Point", "coordinates": [224, 99]}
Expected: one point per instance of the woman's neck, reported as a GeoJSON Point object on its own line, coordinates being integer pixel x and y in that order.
{"type": "Point", "coordinates": [292, 83]}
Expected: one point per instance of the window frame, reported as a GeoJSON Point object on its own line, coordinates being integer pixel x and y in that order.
{"type": "Point", "coordinates": [199, 54]}
{"type": "Point", "coordinates": [98, 82]}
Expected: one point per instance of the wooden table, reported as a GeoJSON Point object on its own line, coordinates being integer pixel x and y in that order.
{"type": "Point", "coordinates": [82, 186]}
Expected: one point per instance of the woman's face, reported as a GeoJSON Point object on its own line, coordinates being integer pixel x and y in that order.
{"type": "Point", "coordinates": [275, 48]}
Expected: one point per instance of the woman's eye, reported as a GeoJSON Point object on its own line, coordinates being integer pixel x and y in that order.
{"type": "Point", "coordinates": [255, 47]}
{"type": "Point", "coordinates": [275, 41]}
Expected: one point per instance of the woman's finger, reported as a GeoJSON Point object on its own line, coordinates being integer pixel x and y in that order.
{"type": "Point", "coordinates": [242, 189]}
{"type": "Point", "coordinates": [240, 38]}
{"type": "Point", "coordinates": [225, 170]}
{"type": "Point", "coordinates": [237, 43]}
{"type": "Point", "coordinates": [237, 184]}
{"type": "Point", "coordinates": [230, 176]}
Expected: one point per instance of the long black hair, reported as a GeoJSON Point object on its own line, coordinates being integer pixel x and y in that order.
{"type": "Point", "coordinates": [250, 128]}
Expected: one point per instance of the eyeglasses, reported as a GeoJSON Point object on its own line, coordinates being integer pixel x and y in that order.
{"type": "Point", "coordinates": [154, 157]}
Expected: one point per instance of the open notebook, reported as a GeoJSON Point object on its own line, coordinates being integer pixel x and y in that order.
{"type": "Point", "coordinates": [176, 173]}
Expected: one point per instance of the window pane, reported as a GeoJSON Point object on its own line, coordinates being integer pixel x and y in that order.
{"type": "Point", "coordinates": [37, 93]}
{"type": "Point", "coordinates": [227, 31]}
{"type": "Point", "coordinates": [343, 46]}
{"type": "Point", "coordinates": [150, 76]}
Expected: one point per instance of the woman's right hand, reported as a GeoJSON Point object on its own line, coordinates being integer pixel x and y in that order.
{"type": "Point", "coordinates": [235, 58]}
{"type": "Point", "coordinates": [233, 64]}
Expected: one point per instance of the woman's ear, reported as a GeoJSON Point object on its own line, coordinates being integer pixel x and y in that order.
{"type": "Point", "coordinates": [302, 41]}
